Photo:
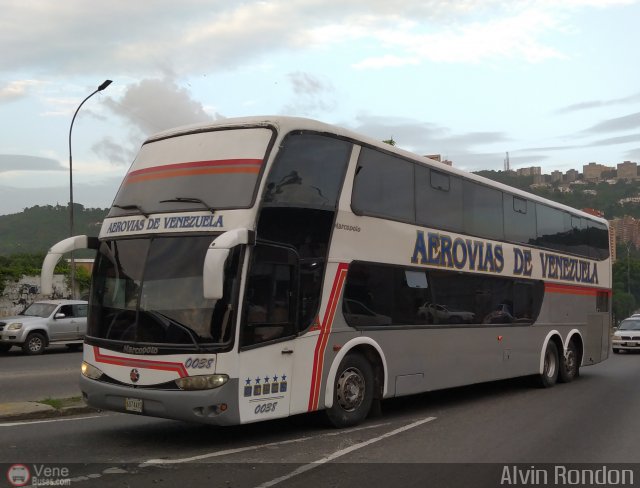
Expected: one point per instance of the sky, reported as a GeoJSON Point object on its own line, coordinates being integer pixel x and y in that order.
{"type": "Point", "coordinates": [555, 83]}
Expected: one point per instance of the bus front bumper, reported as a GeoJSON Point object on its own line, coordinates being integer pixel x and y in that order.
{"type": "Point", "coordinates": [217, 406]}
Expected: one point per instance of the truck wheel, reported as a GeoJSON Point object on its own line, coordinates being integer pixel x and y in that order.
{"type": "Point", "coordinates": [35, 344]}
{"type": "Point", "coordinates": [551, 366]}
{"type": "Point", "coordinates": [352, 392]}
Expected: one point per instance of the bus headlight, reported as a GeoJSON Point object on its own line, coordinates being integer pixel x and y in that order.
{"type": "Point", "coordinates": [15, 326]}
{"type": "Point", "coordinates": [90, 371]}
{"type": "Point", "coordinates": [202, 382]}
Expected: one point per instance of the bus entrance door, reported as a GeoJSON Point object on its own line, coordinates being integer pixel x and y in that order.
{"type": "Point", "coordinates": [267, 333]}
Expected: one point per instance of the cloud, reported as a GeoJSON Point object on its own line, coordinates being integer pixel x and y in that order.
{"type": "Point", "coordinates": [599, 103]}
{"type": "Point", "coordinates": [147, 107]}
{"type": "Point", "coordinates": [21, 162]}
{"type": "Point", "coordinates": [634, 154]}
{"type": "Point", "coordinates": [311, 95]}
{"type": "Point", "coordinates": [14, 90]}
{"type": "Point", "coordinates": [627, 122]}
{"type": "Point", "coordinates": [422, 137]}
{"type": "Point", "coordinates": [616, 140]}
{"type": "Point", "coordinates": [201, 36]}
{"type": "Point", "coordinates": [113, 152]}
{"type": "Point", "coordinates": [153, 105]}
{"type": "Point", "coordinates": [510, 37]}
{"type": "Point", "coordinates": [428, 138]}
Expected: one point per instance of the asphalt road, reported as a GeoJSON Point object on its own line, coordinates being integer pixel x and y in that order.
{"type": "Point", "coordinates": [481, 429]}
{"type": "Point", "coordinates": [53, 374]}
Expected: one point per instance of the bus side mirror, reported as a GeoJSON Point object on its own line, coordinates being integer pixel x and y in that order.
{"type": "Point", "coordinates": [56, 252]}
{"type": "Point", "coordinates": [216, 258]}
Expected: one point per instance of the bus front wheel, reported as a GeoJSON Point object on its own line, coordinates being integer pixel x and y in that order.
{"type": "Point", "coordinates": [551, 366]}
{"type": "Point", "coordinates": [352, 392]}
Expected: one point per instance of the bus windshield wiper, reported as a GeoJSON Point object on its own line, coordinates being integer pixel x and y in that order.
{"type": "Point", "coordinates": [132, 207]}
{"type": "Point", "coordinates": [190, 200]}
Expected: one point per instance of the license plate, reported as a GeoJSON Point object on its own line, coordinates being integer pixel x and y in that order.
{"type": "Point", "coordinates": [133, 405]}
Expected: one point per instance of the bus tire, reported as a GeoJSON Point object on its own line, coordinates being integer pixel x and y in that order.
{"type": "Point", "coordinates": [551, 366]}
{"type": "Point", "coordinates": [352, 392]}
{"type": "Point", "coordinates": [35, 344]}
{"type": "Point", "coordinates": [570, 364]}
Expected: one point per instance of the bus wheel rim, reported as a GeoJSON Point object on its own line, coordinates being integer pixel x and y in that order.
{"type": "Point", "coordinates": [570, 361]}
{"type": "Point", "coordinates": [549, 364]}
{"type": "Point", "coordinates": [350, 389]}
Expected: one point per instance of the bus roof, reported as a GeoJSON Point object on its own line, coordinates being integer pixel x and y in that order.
{"type": "Point", "coordinates": [285, 124]}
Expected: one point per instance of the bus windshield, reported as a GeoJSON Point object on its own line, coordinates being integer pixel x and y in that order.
{"type": "Point", "coordinates": [205, 170]}
{"type": "Point", "coordinates": [150, 291]}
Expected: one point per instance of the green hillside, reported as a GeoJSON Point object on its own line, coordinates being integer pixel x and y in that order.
{"type": "Point", "coordinates": [600, 196]}
{"type": "Point", "coordinates": [36, 229]}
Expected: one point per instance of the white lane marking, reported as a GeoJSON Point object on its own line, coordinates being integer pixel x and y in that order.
{"type": "Point", "coordinates": [254, 447]}
{"type": "Point", "coordinates": [342, 452]}
{"type": "Point", "coordinates": [30, 422]}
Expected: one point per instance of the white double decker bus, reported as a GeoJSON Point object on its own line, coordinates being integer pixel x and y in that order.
{"type": "Point", "coordinates": [257, 268]}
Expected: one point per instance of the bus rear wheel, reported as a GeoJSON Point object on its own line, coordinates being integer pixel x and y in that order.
{"type": "Point", "coordinates": [551, 366]}
{"type": "Point", "coordinates": [570, 365]}
{"type": "Point", "coordinates": [352, 392]}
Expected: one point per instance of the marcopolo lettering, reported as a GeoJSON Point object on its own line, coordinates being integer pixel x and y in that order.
{"type": "Point", "coordinates": [443, 251]}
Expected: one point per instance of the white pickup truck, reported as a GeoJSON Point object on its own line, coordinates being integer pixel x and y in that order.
{"type": "Point", "coordinates": [44, 323]}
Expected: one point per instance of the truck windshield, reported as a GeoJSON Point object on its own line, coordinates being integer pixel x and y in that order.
{"type": "Point", "coordinates": [215, 169]}
{"type": "Point", "coordinates": [39, 310]}
{"type": "Point", "coordinates": [150, 291]}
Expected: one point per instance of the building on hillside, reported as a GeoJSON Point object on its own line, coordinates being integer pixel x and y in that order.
{"type": "Point", "coordinates": [439, 158]}
{"type": "Point", "coordinates": [530, 171]}
{"type": "Point", "coordinates": [626, 229]}
{"type": "Point", "coordinates": [556, 176]}
{"type": "Point", "coordinates": [593, 171]}
{"type": "Point", "coordinates": [628, 171]}
{"type": "Point", "coordinates": [571, 175]}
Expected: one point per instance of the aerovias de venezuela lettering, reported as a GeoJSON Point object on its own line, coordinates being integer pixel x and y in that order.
{"type": "Point", "coordinates": [440, 250]}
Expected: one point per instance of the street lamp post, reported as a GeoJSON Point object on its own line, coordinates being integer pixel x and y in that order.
{"type": "Point", "coordinates": [104, 84]}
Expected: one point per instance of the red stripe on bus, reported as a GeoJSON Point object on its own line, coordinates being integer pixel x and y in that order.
{"type": "Point", "coordinates": [140, 363]}
{"type": "Point", "coordinates": [323, 337]}
{"type": "Point", "coordinates": [188, 172]}
{"type": "Point", "coordinates": [197, 164]}
{"type": "Point", "coordinates": [574, 290]}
